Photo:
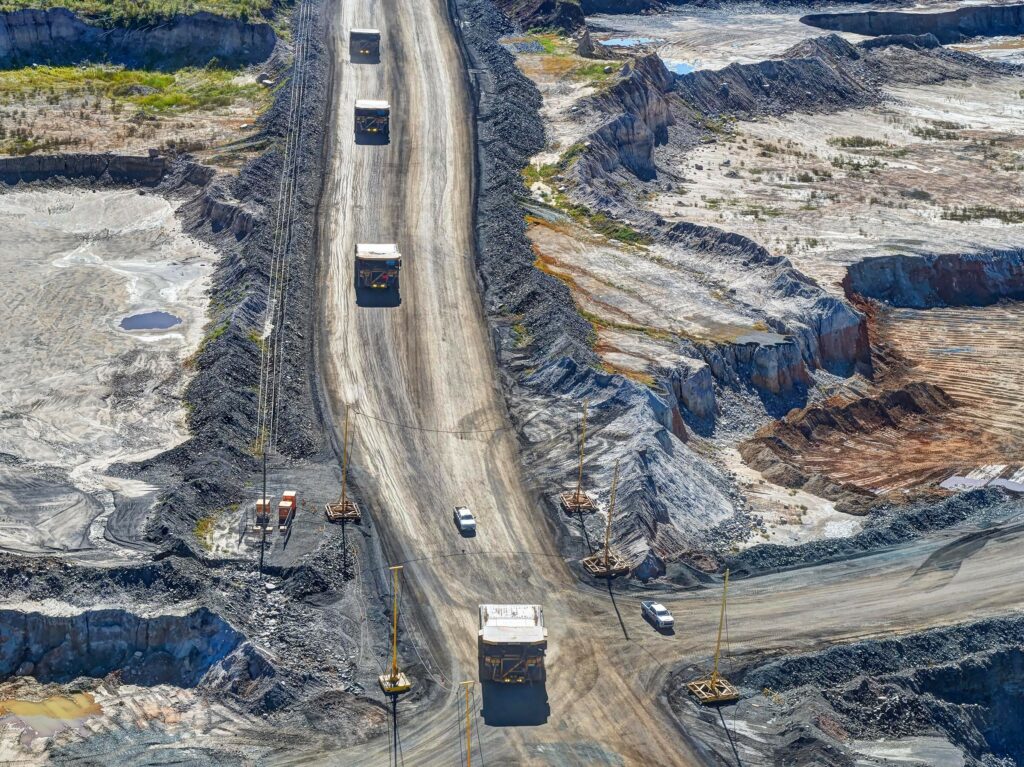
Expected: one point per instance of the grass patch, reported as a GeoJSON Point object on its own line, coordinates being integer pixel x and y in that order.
{"type": "Point", "coordinates": [534, 173]}
{"type": "Point", "coordinates": [522, 335]}
{"type": "Point", "coordinates": [134, 12]}
{"type": "Point", "coordinates": [594, 72]}
{"type": "Point", "coordinates": [204, 531]}
{"type": "Point", "coordinates": [257, 338]}
{"type": "Point", "coordinates": [550, 40]}
{"type": "Point", "coordinates": [117, 88]}
{"type": "Point", "coordinates": [935, 133]}
{"type": "Point", "coordinates": [210, 337]}
{"type": "Point", "coordinates": [857, 142]}
{"type": "Point", "coordinates": [981, 212]}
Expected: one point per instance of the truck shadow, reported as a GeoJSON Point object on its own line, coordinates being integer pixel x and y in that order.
{"type": "Point", "coordinates": [379, 298]}
{"type": "Point", "coordinates": [515, 705]}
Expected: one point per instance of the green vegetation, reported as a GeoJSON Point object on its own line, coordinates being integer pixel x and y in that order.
{"type": "Point", "coordinates": [257, 338]}
{"type": "Point", "coordinates": [594, 71]}
{"type": "Point", "coordinates": [939, 134]}
{"type": "Point", "coordinates": [131, 12]}
{"type": "Point", "coordinates": [847, 163]}
{"type": "Point", "coordinates": [522, 335]}
{"type": "Point", "coordinates": [210, 337]}
{"type": "Point", "coordinates": [533, 173]}
{"type": "Point", "coordinates": [857, 142]}
{"type": "Point", "coordinates": [204, 531]}
{"type": "Point", "coordinates": [151, 93]}
{"type": "Point", "coordinates": [980, 212]}
{"type": "Point", "coordinates": [550, 40]}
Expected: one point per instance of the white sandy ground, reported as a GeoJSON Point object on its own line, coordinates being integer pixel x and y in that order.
{"type": "Point", "coordinates": [712, 38]}
{"type": "Point", "coordinates": [752, 183]}
{"type": "Point", "coordinates": [790, 516]}
{"type": "Point", "coordinates": [78, 393]}
{"type": "Point", "coordinates": [708, 38]}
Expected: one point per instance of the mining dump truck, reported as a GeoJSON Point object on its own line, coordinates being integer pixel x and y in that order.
{"type": "Point", "coordinates": [372, 117]}
{"type": "Point", "coordinates": [365, 43]}
{"type": "Point", "coordinates": [512, 641]}
{"type": "Point", "coordinates": [377, 265]}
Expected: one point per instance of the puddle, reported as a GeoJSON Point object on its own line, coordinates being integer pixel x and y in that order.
{"type": "Point", "coordinates": [678, 67]}
{"type": "Point", "coordinates": [150, 321]}
{"type": "Point", "coordinates": [627, 42]}
{"type": "Point", "coordinates": [51, 715]}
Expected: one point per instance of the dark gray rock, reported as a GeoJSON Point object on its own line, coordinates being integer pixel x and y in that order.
{"type": "Point", "coordinates": [58, 37]}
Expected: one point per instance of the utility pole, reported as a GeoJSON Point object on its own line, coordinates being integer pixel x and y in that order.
{"type": "Point", "coordinates": [611, 510]}
{"type": "Point", "coordinates": [266, 510]}
{"type": "Point", "coordinates": [344, 461]}
{"type": "Point", "coordinates": [583, 441]}
{"type": "Point", "coordinates": [608, 564]}
{"type": "Point", "coordinates": [716, 688]}
{"type": "Point", "coordinates": [395, 682]}
{"type": "Point", "coordinates": [468, 686]}
{"type": "Point", "coordinates": [577, 501]}
{"type": "Point", "coordinates": [344, 510]}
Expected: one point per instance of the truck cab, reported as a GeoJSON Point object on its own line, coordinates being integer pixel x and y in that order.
{"type": "Point", "coordinates": [377, 265]}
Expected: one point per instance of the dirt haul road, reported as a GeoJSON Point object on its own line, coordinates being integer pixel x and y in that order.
{"type": "Point", "coordinates": [433, 433]}
{"type": "Point", "coordinates": [427, 364]}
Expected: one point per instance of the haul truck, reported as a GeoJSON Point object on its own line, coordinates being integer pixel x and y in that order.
{"type": "Point", "coordinates": [372, 117]}
{"type": "Point", "coordinates": [377, 265]}
{"type": "Point", "coordinates": [365, 43]}
{"type": "Point", "coordinates": [512, 641]}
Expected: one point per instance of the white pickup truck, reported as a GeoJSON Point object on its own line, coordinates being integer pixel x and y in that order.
{"type": "Point", "coordinates": [464, 520]}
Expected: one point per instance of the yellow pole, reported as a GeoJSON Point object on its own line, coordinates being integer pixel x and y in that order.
{"type": "Point", "coordinates": [721, 621]}
{"type": "Point", "coordinates": [344, 462]}
{"type": "Point", "coordinates": [611, 510]}
{"type": "Point", "coordinates": [394, 625]}
{"type": "Point", "coordinates": [469, 743]}
{"type": "Point", "coordinates": [583, 439]}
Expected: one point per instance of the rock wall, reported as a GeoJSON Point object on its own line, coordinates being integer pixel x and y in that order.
{"type": "Point", "coordinates": [58, 37]}
{"type": "Point", "coordinates": [947, 26]}
{"type": "Point", "coordinates": [923, 282]}
{"type": "Point", "coordinates": [166, 649]}
{"type": "Point", "coordinates": [640, 99]}
{"type": "Point", "coordinates": [564, 15]}
{"type": "Point", "coordinates": [115, 168]}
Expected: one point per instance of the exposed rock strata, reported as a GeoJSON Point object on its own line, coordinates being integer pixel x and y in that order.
{"type": "Point", "coordinates": [928, 281]}
{"type": "Point", "coordinates": [166, 649]}
{"type": "Point", "coordinates": [957, 686]}
{"type": "Point", "coordinates": [777, 449]}
{"type": "Point", "coordinates": [947, 26]}
{"type": "Point", "coordinates": [113, 168]}
{"type": "Point", "coordinates": [58, 37]}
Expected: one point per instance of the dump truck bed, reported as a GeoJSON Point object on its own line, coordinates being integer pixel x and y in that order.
{"type": "Point", "coordinates": [504, 624]}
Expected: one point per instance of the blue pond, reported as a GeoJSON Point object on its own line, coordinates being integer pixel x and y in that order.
{"type": "Point", "coordinates": [627, 42]}
{"type": "Point", "coordinates": [150, 321]}
{"type": "Point", "coordinates": [679, 67]}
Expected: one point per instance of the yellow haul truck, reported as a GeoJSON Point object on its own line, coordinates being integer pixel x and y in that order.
{"type": "Point", "coordinates": [373, 117]}
{"type": "Point", "coordinates": [364, 43]}
{"type": "Point", "coordinates": [512, 641]}
{"type": "Point", "coordinates": [377, 265]}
